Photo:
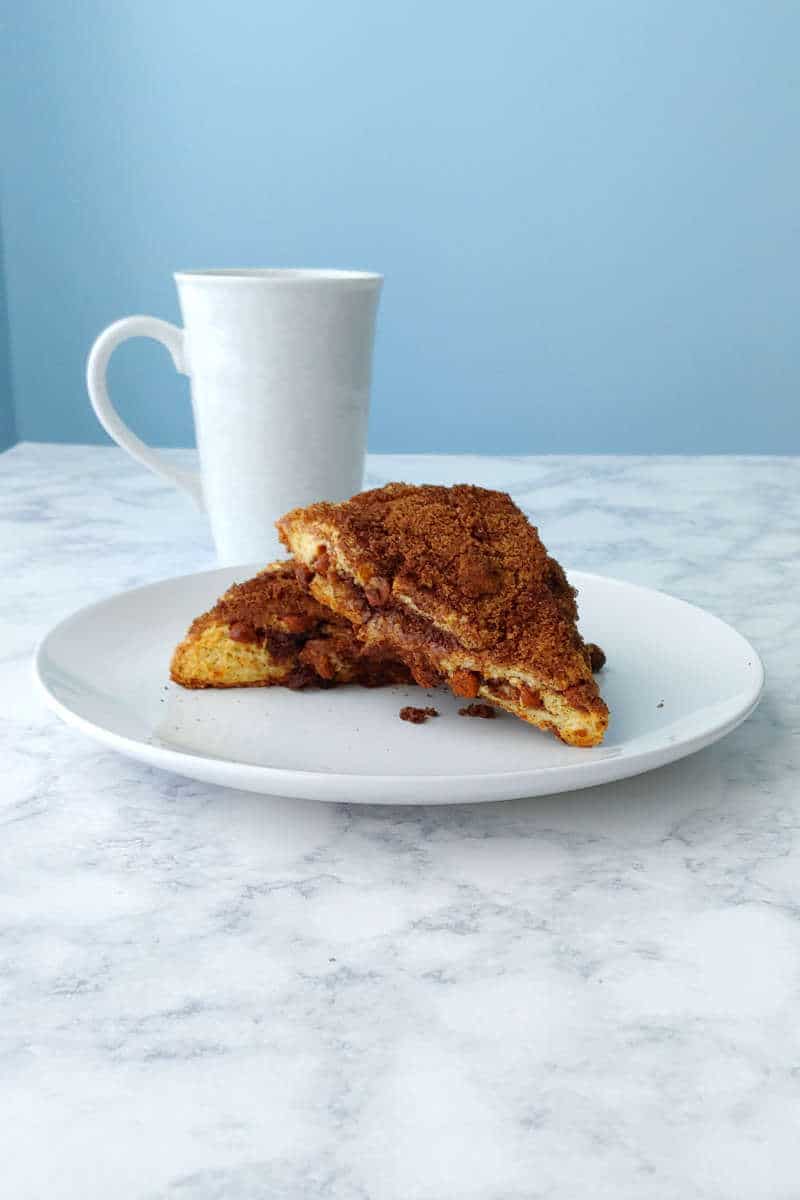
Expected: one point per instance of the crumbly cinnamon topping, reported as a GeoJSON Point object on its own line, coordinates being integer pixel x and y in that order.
{"type": "Point", "coordinates": [273, 596]}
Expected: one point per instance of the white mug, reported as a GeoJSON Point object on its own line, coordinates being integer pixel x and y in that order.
{"type": "Point", "coordinates": [280, 363]}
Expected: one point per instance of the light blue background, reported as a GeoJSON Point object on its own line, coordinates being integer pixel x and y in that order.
{"type": "Point", "coordinates": [586, 212]}
{"type": "Point", "coordinates": [8, 428]}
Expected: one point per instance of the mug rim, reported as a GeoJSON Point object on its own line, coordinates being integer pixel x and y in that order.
{"type": "Point", "coordinates": [285, 275]}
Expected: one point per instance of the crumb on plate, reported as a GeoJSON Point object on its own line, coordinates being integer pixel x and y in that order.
{"type": "Point", "coordinates": [417, 716]}
{"type": "Point", "coordinates": [478, 710]}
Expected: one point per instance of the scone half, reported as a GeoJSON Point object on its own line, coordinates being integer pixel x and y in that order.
{"type": "Point", "coordinates": [455, 583]}
{"type": "Point", "coordinates": [268, 631]}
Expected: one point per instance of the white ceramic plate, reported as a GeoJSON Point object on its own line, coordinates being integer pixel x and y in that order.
{"type": "Point", "coordinates": [676, 680]}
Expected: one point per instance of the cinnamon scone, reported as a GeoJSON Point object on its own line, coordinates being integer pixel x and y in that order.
{"type": "Point", "coordinates": [455, 583]}
{"type": "Point", "coordinates": [269, 631]}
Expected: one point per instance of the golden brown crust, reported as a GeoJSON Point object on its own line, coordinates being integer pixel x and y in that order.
{"type": "Point", "coordinates": [453, 580]}
{"type": "Point", "coordinates": [268, 631]}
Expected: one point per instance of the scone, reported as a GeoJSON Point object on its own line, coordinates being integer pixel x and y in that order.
{"type": "Point", "coordinates": [269, 631]}
{"type": "Point", "coordinates": [455, 583]}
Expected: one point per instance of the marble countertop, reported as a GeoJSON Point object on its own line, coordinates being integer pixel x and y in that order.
{"type": "Point", "coordinates": [220, 996]}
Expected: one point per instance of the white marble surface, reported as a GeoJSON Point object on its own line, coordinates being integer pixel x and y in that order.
{"type": "Point", "coordinates": [219, 996]}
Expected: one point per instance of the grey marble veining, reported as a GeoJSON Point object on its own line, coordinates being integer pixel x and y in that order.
{"type": "Point", "coordinates": [218, 996]}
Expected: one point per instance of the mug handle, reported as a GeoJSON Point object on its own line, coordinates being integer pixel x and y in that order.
{"type": "Point", "coordinates": [171, 337]}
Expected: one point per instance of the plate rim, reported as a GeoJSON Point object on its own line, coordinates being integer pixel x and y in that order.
{"type": "Point", "coordinates": [177, 760]}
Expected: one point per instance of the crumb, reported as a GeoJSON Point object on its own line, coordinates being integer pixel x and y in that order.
{"type": "Point", "coordinates": [417, 716]}
{"type": "Point", "coordinates": [597, 658]}
{"type": "Point", "coordinates": [478, 710]}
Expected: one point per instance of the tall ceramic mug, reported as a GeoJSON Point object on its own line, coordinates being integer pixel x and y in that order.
{"type": "Point", "coordinates": [280, 363]}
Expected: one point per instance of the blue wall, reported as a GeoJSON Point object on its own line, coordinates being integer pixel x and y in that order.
{"type": "Point", "coordinates": [587, 212]}
{"type": "Point", "coordinates": [8, 427]}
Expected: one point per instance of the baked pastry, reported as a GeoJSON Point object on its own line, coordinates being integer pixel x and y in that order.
{"type": "Point", "coordinates": [455, 583]}
{"type": "Point", "coordinates": [270, 631]}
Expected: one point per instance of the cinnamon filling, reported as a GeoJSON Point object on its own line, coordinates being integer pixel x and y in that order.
{"type": "Point", "coordinates": [243, 631]}
{"type": "Point", "coordinates": [282, 646]}
{"type": "Point", "coordinates": [419, 643]}
{"type": "Point", "coordinates": [378, 592]}
{"type": "Point", "coordinates": [303, 574]}
{"type": "Point", "coordinates": [279, 643]}
{"type": "Point", "coordinates": [320, 652]}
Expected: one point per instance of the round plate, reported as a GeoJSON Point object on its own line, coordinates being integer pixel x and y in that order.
{"type": "Point", "coordinates": [677, 679]}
